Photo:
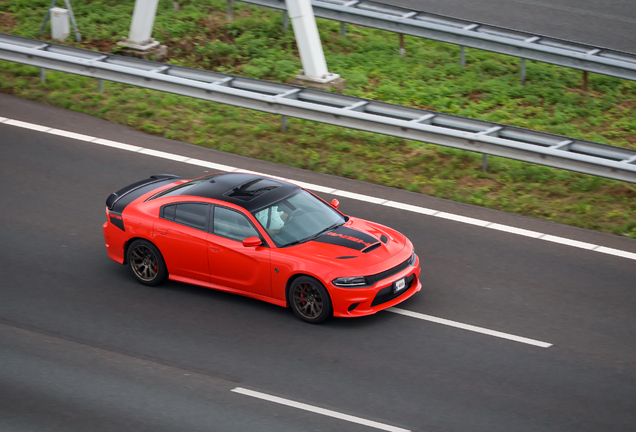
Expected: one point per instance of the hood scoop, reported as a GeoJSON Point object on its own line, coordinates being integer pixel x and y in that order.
{"type": "Point", "coordinates": [346, 257]}
{"type": "Point", "coordinates": [372, 247]}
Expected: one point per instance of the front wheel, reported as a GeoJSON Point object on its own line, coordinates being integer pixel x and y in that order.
{"type": "Point", "coordinates": [310, 300]}
{"type": "Point", "coordinates": [146, 263]}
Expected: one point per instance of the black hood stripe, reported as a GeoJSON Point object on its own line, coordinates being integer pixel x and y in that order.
{"type": "Point", "coordinates": [347, 237]}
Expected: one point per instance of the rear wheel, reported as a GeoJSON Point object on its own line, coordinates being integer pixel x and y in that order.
{"type": "Point", "coordinates": [146, 263]}
{"type": "Point", "coordinates": [310, 300]}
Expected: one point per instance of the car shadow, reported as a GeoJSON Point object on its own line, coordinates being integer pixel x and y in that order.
{"type": "Point", "coordinates": [252, 306]}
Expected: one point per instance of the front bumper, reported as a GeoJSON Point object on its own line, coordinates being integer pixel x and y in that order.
{"type": "Point", "coordinates": [354, 302]}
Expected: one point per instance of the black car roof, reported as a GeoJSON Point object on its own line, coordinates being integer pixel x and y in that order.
{"type": "Point", "coordinates": [250, 191]}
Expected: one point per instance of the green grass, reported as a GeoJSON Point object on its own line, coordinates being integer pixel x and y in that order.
{"type": "Point", "coordinates": [430, 77]}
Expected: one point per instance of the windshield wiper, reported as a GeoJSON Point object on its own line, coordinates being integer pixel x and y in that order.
{"type": "Point", "coordinates": [329, 228]}
{"type": "Point", "coordinates": [315, 236]}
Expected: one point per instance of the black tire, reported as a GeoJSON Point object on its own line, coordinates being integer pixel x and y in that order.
{"type": "Point", "coordinates": [310, 300]}
{"type": "Point", "coordinates": [146, 263]}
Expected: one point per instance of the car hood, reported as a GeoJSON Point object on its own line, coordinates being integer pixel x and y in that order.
{"type": "Point", "coordinates": [358, 243]}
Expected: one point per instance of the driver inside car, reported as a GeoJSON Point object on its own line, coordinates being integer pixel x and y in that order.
{"type": "Point", "coordinates": [273, 218]}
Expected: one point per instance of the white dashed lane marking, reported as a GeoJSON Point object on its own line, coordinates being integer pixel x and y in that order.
{"type": "Point", "coordinates": [318, 410]}
{"type": "Point", "coordinates": [470, 327]}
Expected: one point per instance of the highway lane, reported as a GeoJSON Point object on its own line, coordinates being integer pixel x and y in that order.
{"type": "Point", "coordinates": [607, 24]}
{"type": "Point", "coordinates": [65, 385]}
{"type": "Point", "coordinates": [58, 283]}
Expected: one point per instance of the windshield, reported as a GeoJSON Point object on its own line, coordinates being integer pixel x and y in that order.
{"type": "Point", "coordinates": [297, 218]}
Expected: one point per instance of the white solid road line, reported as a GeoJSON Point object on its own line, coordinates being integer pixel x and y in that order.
{"type": "Point", "coordinates": [318, 410]}
{"type": "Point", "coordinates": [469, 327]}
{"type": "Point", "coordinates": [327, 190]}
{"type": "Point", "coordinates": [26, 125]}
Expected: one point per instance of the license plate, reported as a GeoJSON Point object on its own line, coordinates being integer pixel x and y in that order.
{"type": "Point", "coordinates": [399, 285]}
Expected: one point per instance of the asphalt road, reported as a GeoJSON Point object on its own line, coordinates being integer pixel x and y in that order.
{"type": "Point", "coordinates": [608, 24]}
{"type": "Point", "coordinates": [83, 347]}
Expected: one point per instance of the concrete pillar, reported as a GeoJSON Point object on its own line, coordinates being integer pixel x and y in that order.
{"type": "Point", "coordinates": [143, 21]}
{"type": "Point", "coordinates": [307, 38]}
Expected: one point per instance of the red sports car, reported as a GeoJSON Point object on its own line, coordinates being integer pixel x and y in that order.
{"type": "Point", "coordinates": [263, 238]}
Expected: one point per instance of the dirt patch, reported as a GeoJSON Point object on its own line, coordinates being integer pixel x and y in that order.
{"type": "Point", "coordinates": [7, 21]}
{"type": "Point", "coordinates": [213, 23]}
{"type": "Point", "coordinates": [625, 190]}
{"type": "Point", "coordinates": [628, 104]}
{"type": "Point", "coordinates": [589, 93]}
{"type": "Point", "coordinates": [475, 96]}
{"type": "Point", "coordinates": [475, 183]}
{"type": "Point", "coordinates": [102, 45]}
{"type": "Point", "coordinates": [216, 26]}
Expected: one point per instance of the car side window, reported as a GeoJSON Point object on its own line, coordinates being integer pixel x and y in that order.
{"type": "Point", "coordinates": [232, 224]}
{"type": "Point", "coordinates": [191, 214]}
{"type": "Point", "coordinates": [168, 212]}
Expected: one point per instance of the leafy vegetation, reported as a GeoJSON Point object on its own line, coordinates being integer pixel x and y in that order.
{"type": "Point", "coordinates": [255, 44]}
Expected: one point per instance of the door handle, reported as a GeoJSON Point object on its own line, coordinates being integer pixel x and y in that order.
{"type": "Point", "coordinates": [162, 231]}
{"type": "Point", "coordinates": [213, 249]}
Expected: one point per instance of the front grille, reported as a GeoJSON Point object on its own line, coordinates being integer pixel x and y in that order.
{"type": "Point", "coordinates": [388, 273]}
{"type": "Point", "coordinates": [387, 294]}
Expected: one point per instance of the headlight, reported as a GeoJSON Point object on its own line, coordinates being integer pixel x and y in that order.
{"type": "Point", "coordinates": [350, 282]}
{"type": "Point", "coordinates": [412, 260]}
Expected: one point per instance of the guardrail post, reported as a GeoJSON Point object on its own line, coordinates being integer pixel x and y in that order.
{"type": "Point", "coordinates": [283, 123]}
{"type": "Point", "coordinates": [402, 49]}
{"type": "Point", "coordinates": [100, 85]}
{"type": "Point", "coordinates": [585, 81]}
{"type": "Point", "coordinates": [42, 75]}
{"type": "Point", "coordinates": [175, 5]}
{"type": "Point", "coordinates": [523, 71]}
{"type": "Point", "coordinates": [229, 10]}
{"type": "Point", "coordinates": [484, 162]}
{"type": "Point", "coordinates": [285, 20]}
{"type": "Point", "coordinates": [343, 29]}
{"type": "Point", "coordinates": [462, 56]}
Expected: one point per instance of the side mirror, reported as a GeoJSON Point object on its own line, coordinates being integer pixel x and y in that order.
{"type": "Point", "coordinates": [334, 203]}
{"type": "Point", "coordinates": [252, 242]}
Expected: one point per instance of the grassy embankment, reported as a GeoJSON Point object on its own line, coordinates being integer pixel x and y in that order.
{"type": "Point", "coordinates": [430, 77]}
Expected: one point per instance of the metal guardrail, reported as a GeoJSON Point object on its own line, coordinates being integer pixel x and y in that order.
{"type": "Point", "coordinates": [472, 34]}
{"type": "Point", "coordinates": [324, 107]}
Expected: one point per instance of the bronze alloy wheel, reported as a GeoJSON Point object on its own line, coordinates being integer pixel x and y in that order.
{"type": "Point", "coordinates": [146, 262]}
{"type": "Point", "coordinates": [310, 300]}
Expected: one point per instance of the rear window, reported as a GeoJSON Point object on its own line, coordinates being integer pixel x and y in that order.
{"type": "Point", "coordinates": [181, 189]}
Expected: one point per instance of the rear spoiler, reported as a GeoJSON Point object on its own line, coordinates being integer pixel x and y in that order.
{"type": "Point", "coordinates": [140, 187]}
